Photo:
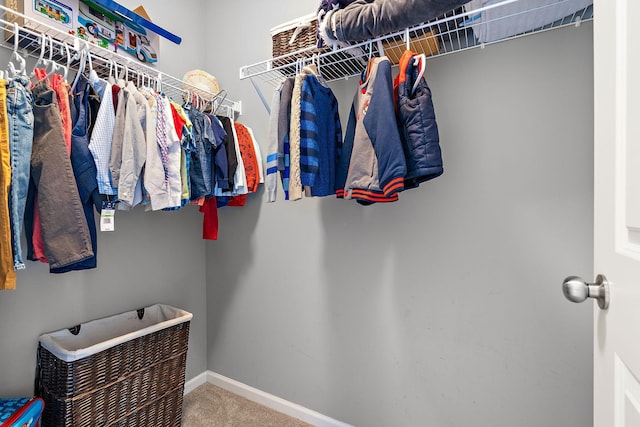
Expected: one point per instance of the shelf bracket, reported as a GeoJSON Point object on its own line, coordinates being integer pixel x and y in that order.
{"type": "Point", "coordinates": [261, 96]}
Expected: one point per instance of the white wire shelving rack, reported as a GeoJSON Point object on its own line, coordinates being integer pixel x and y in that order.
{"type": "Point", "coordinates": [25, 36]}
{"type": "Point", "coordinates": [454, 31]}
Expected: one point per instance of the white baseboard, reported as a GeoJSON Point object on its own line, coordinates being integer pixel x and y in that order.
{"type": "Point", "coordinates": [194, 383]}
{"type": "Point", "coordinates": [270, 401]}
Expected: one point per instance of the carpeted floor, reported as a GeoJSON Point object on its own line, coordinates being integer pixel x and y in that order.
{"type": "Point", "coordinates": [212, 406]}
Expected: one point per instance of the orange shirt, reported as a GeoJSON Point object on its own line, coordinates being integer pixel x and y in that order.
{"type": "Point", "coordinates": [245, 143]}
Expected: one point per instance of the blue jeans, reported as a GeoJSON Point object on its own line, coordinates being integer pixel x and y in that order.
{"type": "Point", "coordinates": [20, 120]}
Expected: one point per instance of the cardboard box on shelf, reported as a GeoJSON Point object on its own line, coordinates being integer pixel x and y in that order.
{"type": "Point", "coordinates": [100, 22]}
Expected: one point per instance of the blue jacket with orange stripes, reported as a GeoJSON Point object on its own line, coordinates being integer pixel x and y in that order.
{"type": "Point", "coordinates": [372, 165]}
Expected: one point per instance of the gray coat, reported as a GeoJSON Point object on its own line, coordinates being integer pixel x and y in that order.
{"type": "Point", "coordinates": [365, 19]}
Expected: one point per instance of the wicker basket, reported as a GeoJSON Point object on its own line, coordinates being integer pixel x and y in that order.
{"type": "Point", "coordinates": [295, 35]}
{"type": "Point", "coordinates": [426, 43]}
{"type": "Point", "coordinates": [134, 374]}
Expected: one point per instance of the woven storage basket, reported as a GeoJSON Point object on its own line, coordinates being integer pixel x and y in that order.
{"type": "Point", "coordinates": [127, 369]}
{"type": "Point", "coordinates": [295, 35]}
{"type": "Point", "coordinates": [426, 43]}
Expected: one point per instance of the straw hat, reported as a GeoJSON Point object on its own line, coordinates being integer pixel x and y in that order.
{"type": "Point", "coordinates": [201, 83]}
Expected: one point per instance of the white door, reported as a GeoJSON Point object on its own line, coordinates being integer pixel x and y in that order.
{"type": "Point", "coordinates": [617, 211]}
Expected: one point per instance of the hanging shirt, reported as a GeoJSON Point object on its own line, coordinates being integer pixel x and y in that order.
{"type": "Point", "coordinates": [134, 149]}
{"type": "Point", "coordinates": [271, 183]}
{"type": "Point", "coordinates": [239, 178]}
{"type": "Point", "coordinates": [119, 126]}
{"type": "Point", "coordinates": [153, 173]}
{"type": "Point", "coordinates": [204, 143]}
{"type": "Point", "coordinates": [284, 126]}
{"type": "Point", "coordinates": [232, 160]}
{"type": "Point", "coordinates": [320, 137]}
{"type": "Point", "coordinates": [295, 184]}
{"type": "Point", "coordinates": [220, 165]}
{"type": "Point", "coordinates": [248, 154]}
{"type": "Point", "coordinates": [183, 129]}
{"type": "Point", "coordinates": [166, 192]}
{"type": "Point", "coordinates": [101, 140]}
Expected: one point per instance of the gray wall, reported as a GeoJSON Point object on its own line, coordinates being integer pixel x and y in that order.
{"type": "Point", "coordinates": [150, 258]}
{"type": "Point", "coordinates": [443, 309]}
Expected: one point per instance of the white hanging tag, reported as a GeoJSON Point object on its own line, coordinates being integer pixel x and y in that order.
{"type": "Point", "coordinates": [108, 216]}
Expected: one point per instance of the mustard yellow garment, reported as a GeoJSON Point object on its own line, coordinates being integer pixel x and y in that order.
{"type": "Point", "coordinates": [7, 273]}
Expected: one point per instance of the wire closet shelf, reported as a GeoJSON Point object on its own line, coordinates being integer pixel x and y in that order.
{"type": "Point", "coordinates": [452, 32]}
{"type": "Point", "coordinates": [31, 38]}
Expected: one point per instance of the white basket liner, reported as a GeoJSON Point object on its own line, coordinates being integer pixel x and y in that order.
{"type": "Point", "coordinates": [101, 334]}
{"type": "Point", "coordinates": [294, 23]}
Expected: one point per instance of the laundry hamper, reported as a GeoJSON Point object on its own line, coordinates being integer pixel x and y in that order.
{"type": "Point", "coordinates": [123, 370]}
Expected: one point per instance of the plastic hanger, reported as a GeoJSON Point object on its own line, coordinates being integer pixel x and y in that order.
{"type": "Point", "coordinates": [66, 68]}
{"type": "Point", "coordinates": [221, 101]}
{"type": "Point", "coordinates": [199, 102]}
{"type": "Point", "coordinates": [421, 62]}
{"type": "Point", "coordinates": [186, 98]}
{"type": "Point", "coordinates": [41, 61]}
{"type": "Point", "coordinates": [83, 52]}
{"type": "Point", "coordinates": [123, 76]}
{"type": "Point", "coordinates": [321, 79]}
{"type": "Point", "coordinates": [52, 66]}
{"type": "Point", "coordinates": [93, 76]}
{"type": "Point", "coordinates": [21, 71]}
{"type": "Point", "coordinates": [112, 77]}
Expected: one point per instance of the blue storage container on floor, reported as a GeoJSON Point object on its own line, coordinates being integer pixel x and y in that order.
{"type": "Point", "coordinates": [21, 412]}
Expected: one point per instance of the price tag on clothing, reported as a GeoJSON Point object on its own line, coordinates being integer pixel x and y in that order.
{"type": "Point", "coordinates": [108, 216]}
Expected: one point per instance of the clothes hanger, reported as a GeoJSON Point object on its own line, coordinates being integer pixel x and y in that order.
{"type": "Point", "coordinates": [21, 71]}
{"type": "Point", "coordinates": [93, 75]}
{"type": "Point", "coordinates": [369, 62]}
{"type": "Point", "coordinates": [123, 76]}
{"type": "Point", "coordinates": [41, 61]}
{"type": "Point", "coordinates": [52, 65]}
{"type": "Point", "coordinates": [113, 71]}
{"type": "Point", "coordinates": [186, 96]}
{"type": "Point", "coordinates": [83, 53]}
{"type": "Point", "coordinates": [224, 96]}
{"type": "Point", "coordinates": [199, 102]}
{"type": "Point", "coordinates": [421, 62]}
{"type": "Point", "coordinates": [315, 61]}
{"type": "Point", "coordinates": [66, 68]}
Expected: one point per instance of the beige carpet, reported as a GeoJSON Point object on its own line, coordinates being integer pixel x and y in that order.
{"type": "Point", "coordinates": [212, 406]}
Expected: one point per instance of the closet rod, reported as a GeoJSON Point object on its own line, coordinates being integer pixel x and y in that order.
{"type": "Point", "coordinates": [30, 34]}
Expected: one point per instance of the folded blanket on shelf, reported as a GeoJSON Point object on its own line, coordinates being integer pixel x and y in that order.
{"type": "Point", "coordinates": [366, 19]}
{"type": "Point", "coordinates": [516, 18]}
